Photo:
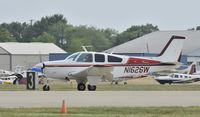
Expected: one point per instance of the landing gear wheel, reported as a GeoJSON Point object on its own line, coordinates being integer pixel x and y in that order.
{"type": "Point", "coordinates": [81, 87]}
{"type": "Point", "coordinates": [91, 87]}
{"type": "Point", "coordinates": [46, 88]}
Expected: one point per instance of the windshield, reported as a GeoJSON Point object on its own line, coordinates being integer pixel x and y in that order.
{"type": "Point", "coordinates": [85, 57]}
{"type": "Point", "coordinates": [73, 56]}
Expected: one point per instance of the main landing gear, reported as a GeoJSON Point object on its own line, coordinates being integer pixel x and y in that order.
{"type": "Point", "coordinates": [91, 87]}
{"type": "Point", "coordinates": [82, 87]}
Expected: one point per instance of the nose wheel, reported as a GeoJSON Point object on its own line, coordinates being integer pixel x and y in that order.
{"type": "Point", "coordinates": [46, 87]}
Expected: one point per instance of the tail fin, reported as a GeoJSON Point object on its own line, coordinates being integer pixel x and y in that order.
{"type": "Point", "coordinates": [192, 69]}
{"type": "Point", "coordinates": [172, 51]}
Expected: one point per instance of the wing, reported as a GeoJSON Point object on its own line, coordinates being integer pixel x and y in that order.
{"type": "Point", "coordinates": [94, 74]}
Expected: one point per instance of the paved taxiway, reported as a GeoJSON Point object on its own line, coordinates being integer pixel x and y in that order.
{"type": "Point", "coordinates": [15, 99]}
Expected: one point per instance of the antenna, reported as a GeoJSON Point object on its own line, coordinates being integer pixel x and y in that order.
{"type": "Point", "coordinates": [112, 51]}
{"type": "Point", "coordinates": [85, 47]}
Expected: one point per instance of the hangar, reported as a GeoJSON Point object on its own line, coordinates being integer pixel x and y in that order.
{"type": "Point", "coordinates": [14, 54]}
{"type": "Point", "coordinates": [152, 44]}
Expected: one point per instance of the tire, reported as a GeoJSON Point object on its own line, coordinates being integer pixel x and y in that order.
{"type": "Point", "coordinates": [125, 83]}
{"type": "Point", "coordinates": [81, 87]}
{"type": "Point", "coordinates": [46, 88]}
{"type": "Point", "coordinates": [16, 81]}
{"type": "Point", "coordinates": [91, 87]}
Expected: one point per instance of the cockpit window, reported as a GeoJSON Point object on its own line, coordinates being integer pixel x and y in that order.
{"type": "Point", "coordinates": [73, 56]}
{"type": "Point", "coordinates": [85, 57]}
{"type": "Point", "coordinates": [114, 59]}
{"type": "Point", "coordinates": [175, 76]}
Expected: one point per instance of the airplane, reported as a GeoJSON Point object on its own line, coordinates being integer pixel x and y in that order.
{"type": "Point", "coordinates": [188, 77]}
{"type": "Point", "coordinates": [7, 80]}
{"type": "Point", "coordinates": [91, 67]}
{"type": "Point", "coordinates": [4, 73]}
{"type": "Point", "coordinates": [7, 77]}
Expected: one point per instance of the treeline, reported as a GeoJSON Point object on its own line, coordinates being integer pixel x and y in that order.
{"type": "Point", "coordinates": [56, 29]}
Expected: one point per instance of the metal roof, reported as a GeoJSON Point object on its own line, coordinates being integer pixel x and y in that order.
{"type": "Point", "coordinates": [31, 48]}
{"type": "Point", "coordinates": [156, 42]}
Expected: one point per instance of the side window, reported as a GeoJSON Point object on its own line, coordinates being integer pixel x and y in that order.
{"type": "Point", "coordinates": [114, 59]}
{"type": "Point", "coordinates": [85, 57]}
{"type": "Point", "coordinates": [99, 58]}
{"type": "Point", "coordinates": [186, 76]}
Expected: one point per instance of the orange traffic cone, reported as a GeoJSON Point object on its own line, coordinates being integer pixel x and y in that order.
{"type": "Point", "coordinates": [64, 107]}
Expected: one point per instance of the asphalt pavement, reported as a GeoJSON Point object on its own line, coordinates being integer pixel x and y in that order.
{"type": "Point", "coordinates": [23, 99]}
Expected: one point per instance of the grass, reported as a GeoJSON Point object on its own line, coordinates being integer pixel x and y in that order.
{"type": "Point", "coordinates": [145, 84]}
{"type": "Point", "coordinates": [109, 87]}
{"type": "Point", "coordinates": [103, 112]}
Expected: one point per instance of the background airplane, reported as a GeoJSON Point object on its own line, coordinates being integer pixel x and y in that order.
{"type": "Point", "coordinates": [92, 67]}
{"type": "Point", "coordinates": [188, 77]}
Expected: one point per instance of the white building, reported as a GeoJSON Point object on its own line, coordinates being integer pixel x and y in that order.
{"type": "Point", "coordinates": [25, 54]}
{"type": "Point", "coordinates": [155, 42]}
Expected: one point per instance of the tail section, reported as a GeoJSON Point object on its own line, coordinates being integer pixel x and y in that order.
{"type": "Point", "coordinates": [192, 69]}
{"type": "Point", "coordinates": [172, 51]}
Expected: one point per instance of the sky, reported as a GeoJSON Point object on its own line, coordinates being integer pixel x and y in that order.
{"type": "Point", "coordinates": [115, 14]}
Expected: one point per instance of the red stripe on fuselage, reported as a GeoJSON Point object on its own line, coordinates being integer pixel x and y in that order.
{"type": "Point", "coordinates": [108, 65]}
{"type": "Point", "coordinates": [138, 61]}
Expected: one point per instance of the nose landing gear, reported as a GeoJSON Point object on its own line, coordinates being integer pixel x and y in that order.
{"type": "Point", "coordinates": [46, 87]}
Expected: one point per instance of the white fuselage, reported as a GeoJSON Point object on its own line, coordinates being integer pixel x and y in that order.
{"type": "Point", "coordinates": [126, 67]}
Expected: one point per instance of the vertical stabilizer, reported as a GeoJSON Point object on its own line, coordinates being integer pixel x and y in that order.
{"type": "Point", "coordinates": [172, 51]}
{"type": "Point", "coordinates": [192, 69]}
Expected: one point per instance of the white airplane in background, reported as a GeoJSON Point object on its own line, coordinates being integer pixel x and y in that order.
{"type": "Point", "coordinates": [4, 73]}
{"type": "Point", "coordinates": [92, 67]}
{"type": "Point", "coordinates": [189, 77]}
{"type": "Point", "coordinates": [7, 77]}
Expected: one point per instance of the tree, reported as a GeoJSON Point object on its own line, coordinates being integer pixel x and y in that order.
{"type": "Point", "coordinates": [134, 32]}
{"type": "Point", "coordinates": [87, 36]}
{"type": "Point", "coordinates": [198, 28]}
{"type": "Point", "coordinates": [46, 22]}
{"type": "Point", "coordinates": [45, 37]}
{"type": "Point", "coordinates": [6, 36]}
{"type": "Point", "coordinates": [17, 30]}
{"type": "Point", "coordinates": [191, 29]}
{"type": "Point", "coordinates": [58, 31]}
{"type": "Point", "coordinates": [76, 44]}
